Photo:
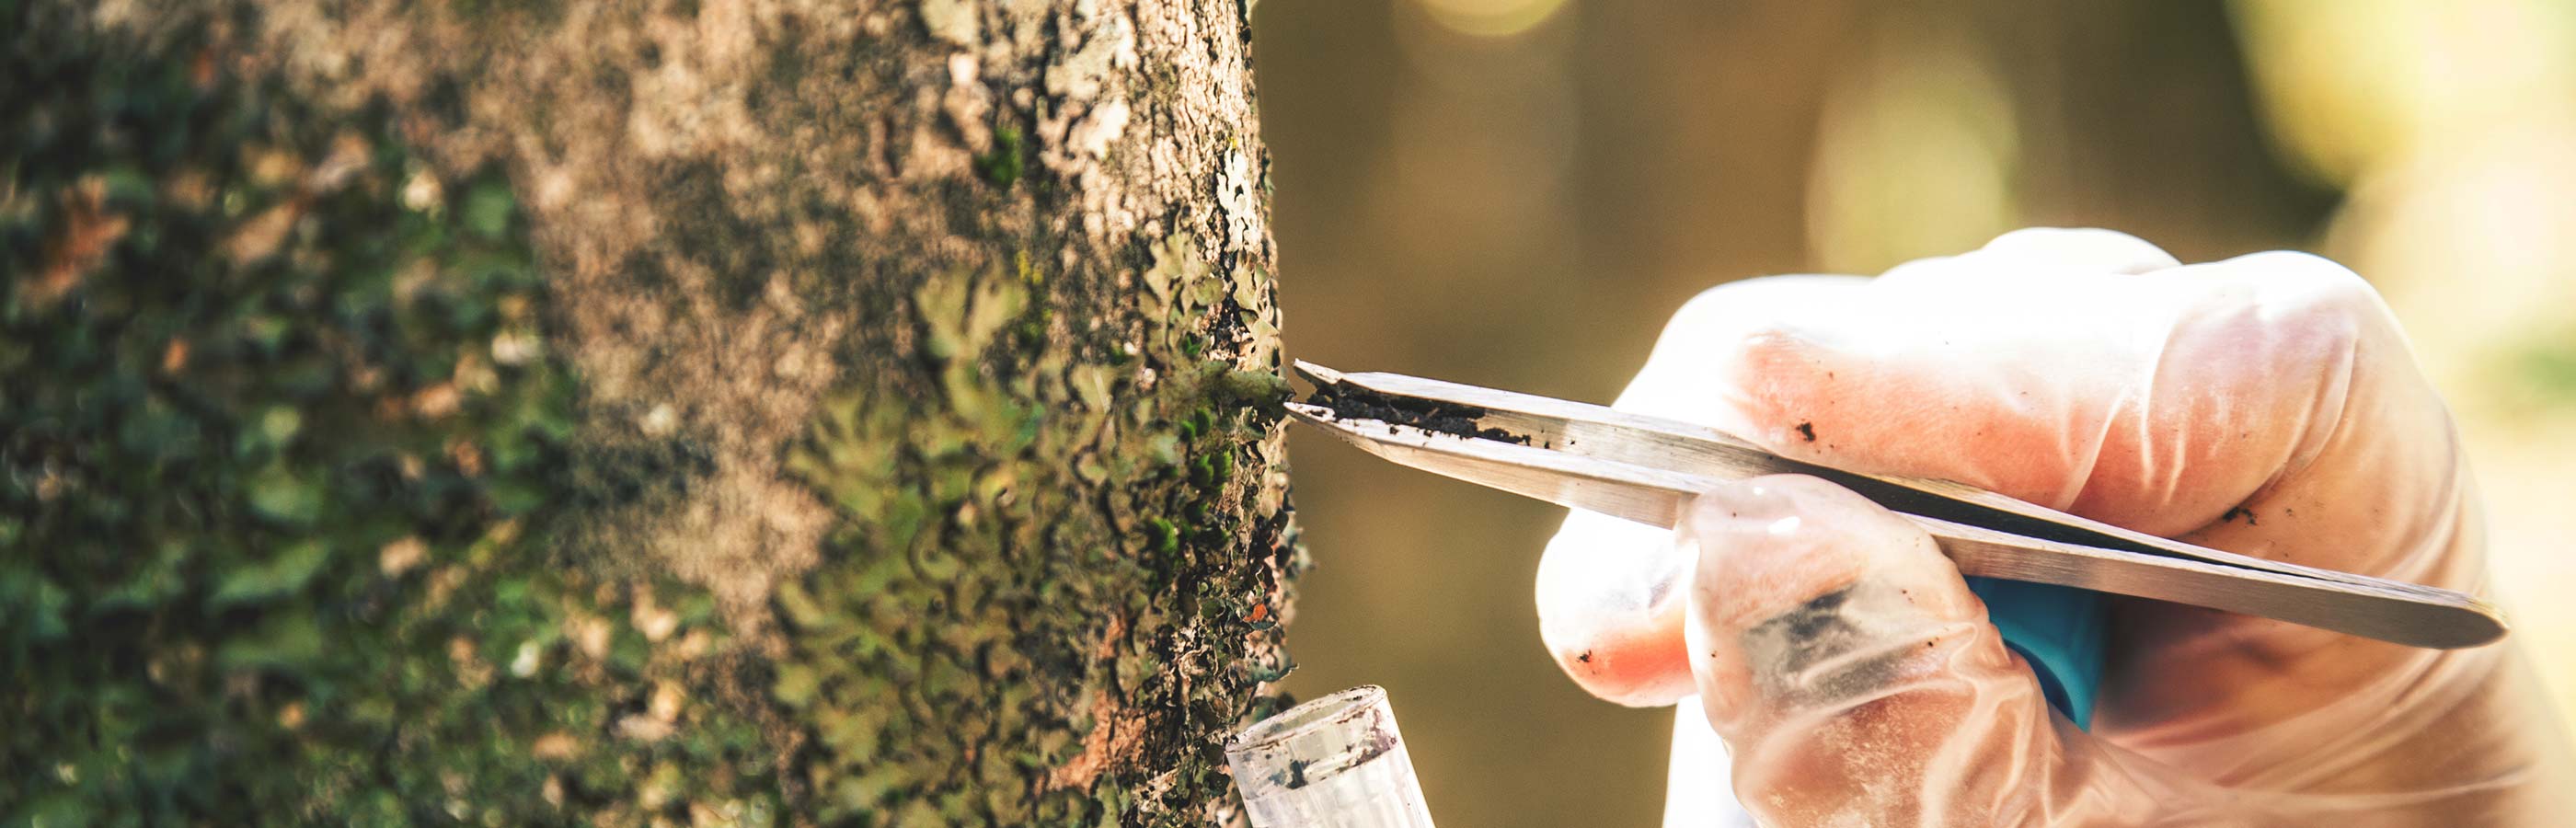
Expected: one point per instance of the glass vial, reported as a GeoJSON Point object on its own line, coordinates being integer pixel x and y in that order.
{"type": "Point", "coordinates": [1335, 761]}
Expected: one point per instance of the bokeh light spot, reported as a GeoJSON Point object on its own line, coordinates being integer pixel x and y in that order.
{"type": "Point", "coordinates": [1491, 18]}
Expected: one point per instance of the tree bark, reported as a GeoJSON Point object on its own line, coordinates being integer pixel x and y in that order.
{"type": "Point", "coordinates": [761, 412]}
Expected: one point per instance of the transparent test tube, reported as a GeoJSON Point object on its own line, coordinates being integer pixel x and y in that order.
{"type": "Point", "coordinates": [1335, 761]}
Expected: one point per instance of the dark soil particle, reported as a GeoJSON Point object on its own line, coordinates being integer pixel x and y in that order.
{"type": "Point", "coordinates": [2239, 512]}
{"type": "Point", "coordinates": [1353, 402]}
{"type": "Point", "coordinates": [1807, 430]}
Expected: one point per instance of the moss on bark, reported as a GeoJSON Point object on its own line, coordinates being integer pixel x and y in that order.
{"type": "Point", "coordinates": [683, 414]}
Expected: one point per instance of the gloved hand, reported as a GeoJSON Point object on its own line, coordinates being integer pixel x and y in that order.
{"type": "Point", "coordinates": [2265, 405]}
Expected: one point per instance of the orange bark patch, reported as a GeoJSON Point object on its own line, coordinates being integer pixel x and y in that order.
{"type": "Point", "coordinates": [1113, 738]}
{"type": "Point", "coordinates": [89, 230]}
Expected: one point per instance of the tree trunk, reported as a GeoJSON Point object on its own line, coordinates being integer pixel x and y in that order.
{"type": "Point", "coordinates": [722, 413]}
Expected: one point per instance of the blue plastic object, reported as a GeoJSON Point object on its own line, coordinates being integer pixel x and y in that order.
{"type": "Point", "coordinates": [2059, 631]}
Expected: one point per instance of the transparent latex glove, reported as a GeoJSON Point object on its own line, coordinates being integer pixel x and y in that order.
{"type": "Point", "coordinates": [2265, 405]}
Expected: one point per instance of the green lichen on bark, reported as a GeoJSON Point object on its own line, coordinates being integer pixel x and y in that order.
{"type": "Point", "coordinates": [1055, 560]}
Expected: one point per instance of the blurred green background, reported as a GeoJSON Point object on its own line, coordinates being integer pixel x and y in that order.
{"type": "Point", "coordinates": [1519, 192]}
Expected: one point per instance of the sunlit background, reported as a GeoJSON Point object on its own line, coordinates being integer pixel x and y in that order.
{"type": "Point", "coordinates": [1518, 192]}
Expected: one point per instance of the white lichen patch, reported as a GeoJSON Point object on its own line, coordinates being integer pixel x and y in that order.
{"type": "Point", "coordinates": [1239, 195]}
{"type": "Point", "coordinates": [954, 21]}
{"type": "Point", "coordinates": [1098, 130]}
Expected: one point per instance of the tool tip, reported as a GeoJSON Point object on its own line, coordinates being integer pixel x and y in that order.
{"type": "Point", "coordinates": [1318, 374]}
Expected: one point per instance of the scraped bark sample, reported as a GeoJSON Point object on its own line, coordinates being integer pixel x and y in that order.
{"type": "Point", "coordinates": [711, 413]}
{"type": "Point", "coordinates": [1459, 419]}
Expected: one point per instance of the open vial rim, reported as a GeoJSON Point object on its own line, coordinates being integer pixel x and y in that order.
{"type": "Point", "coordinates": [1336, 761]}
{"type": "Point", "coordinates": [1309, 718]}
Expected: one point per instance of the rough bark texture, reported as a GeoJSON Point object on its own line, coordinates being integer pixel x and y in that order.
{"type": "Point", "coordinates": [761, 412]}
